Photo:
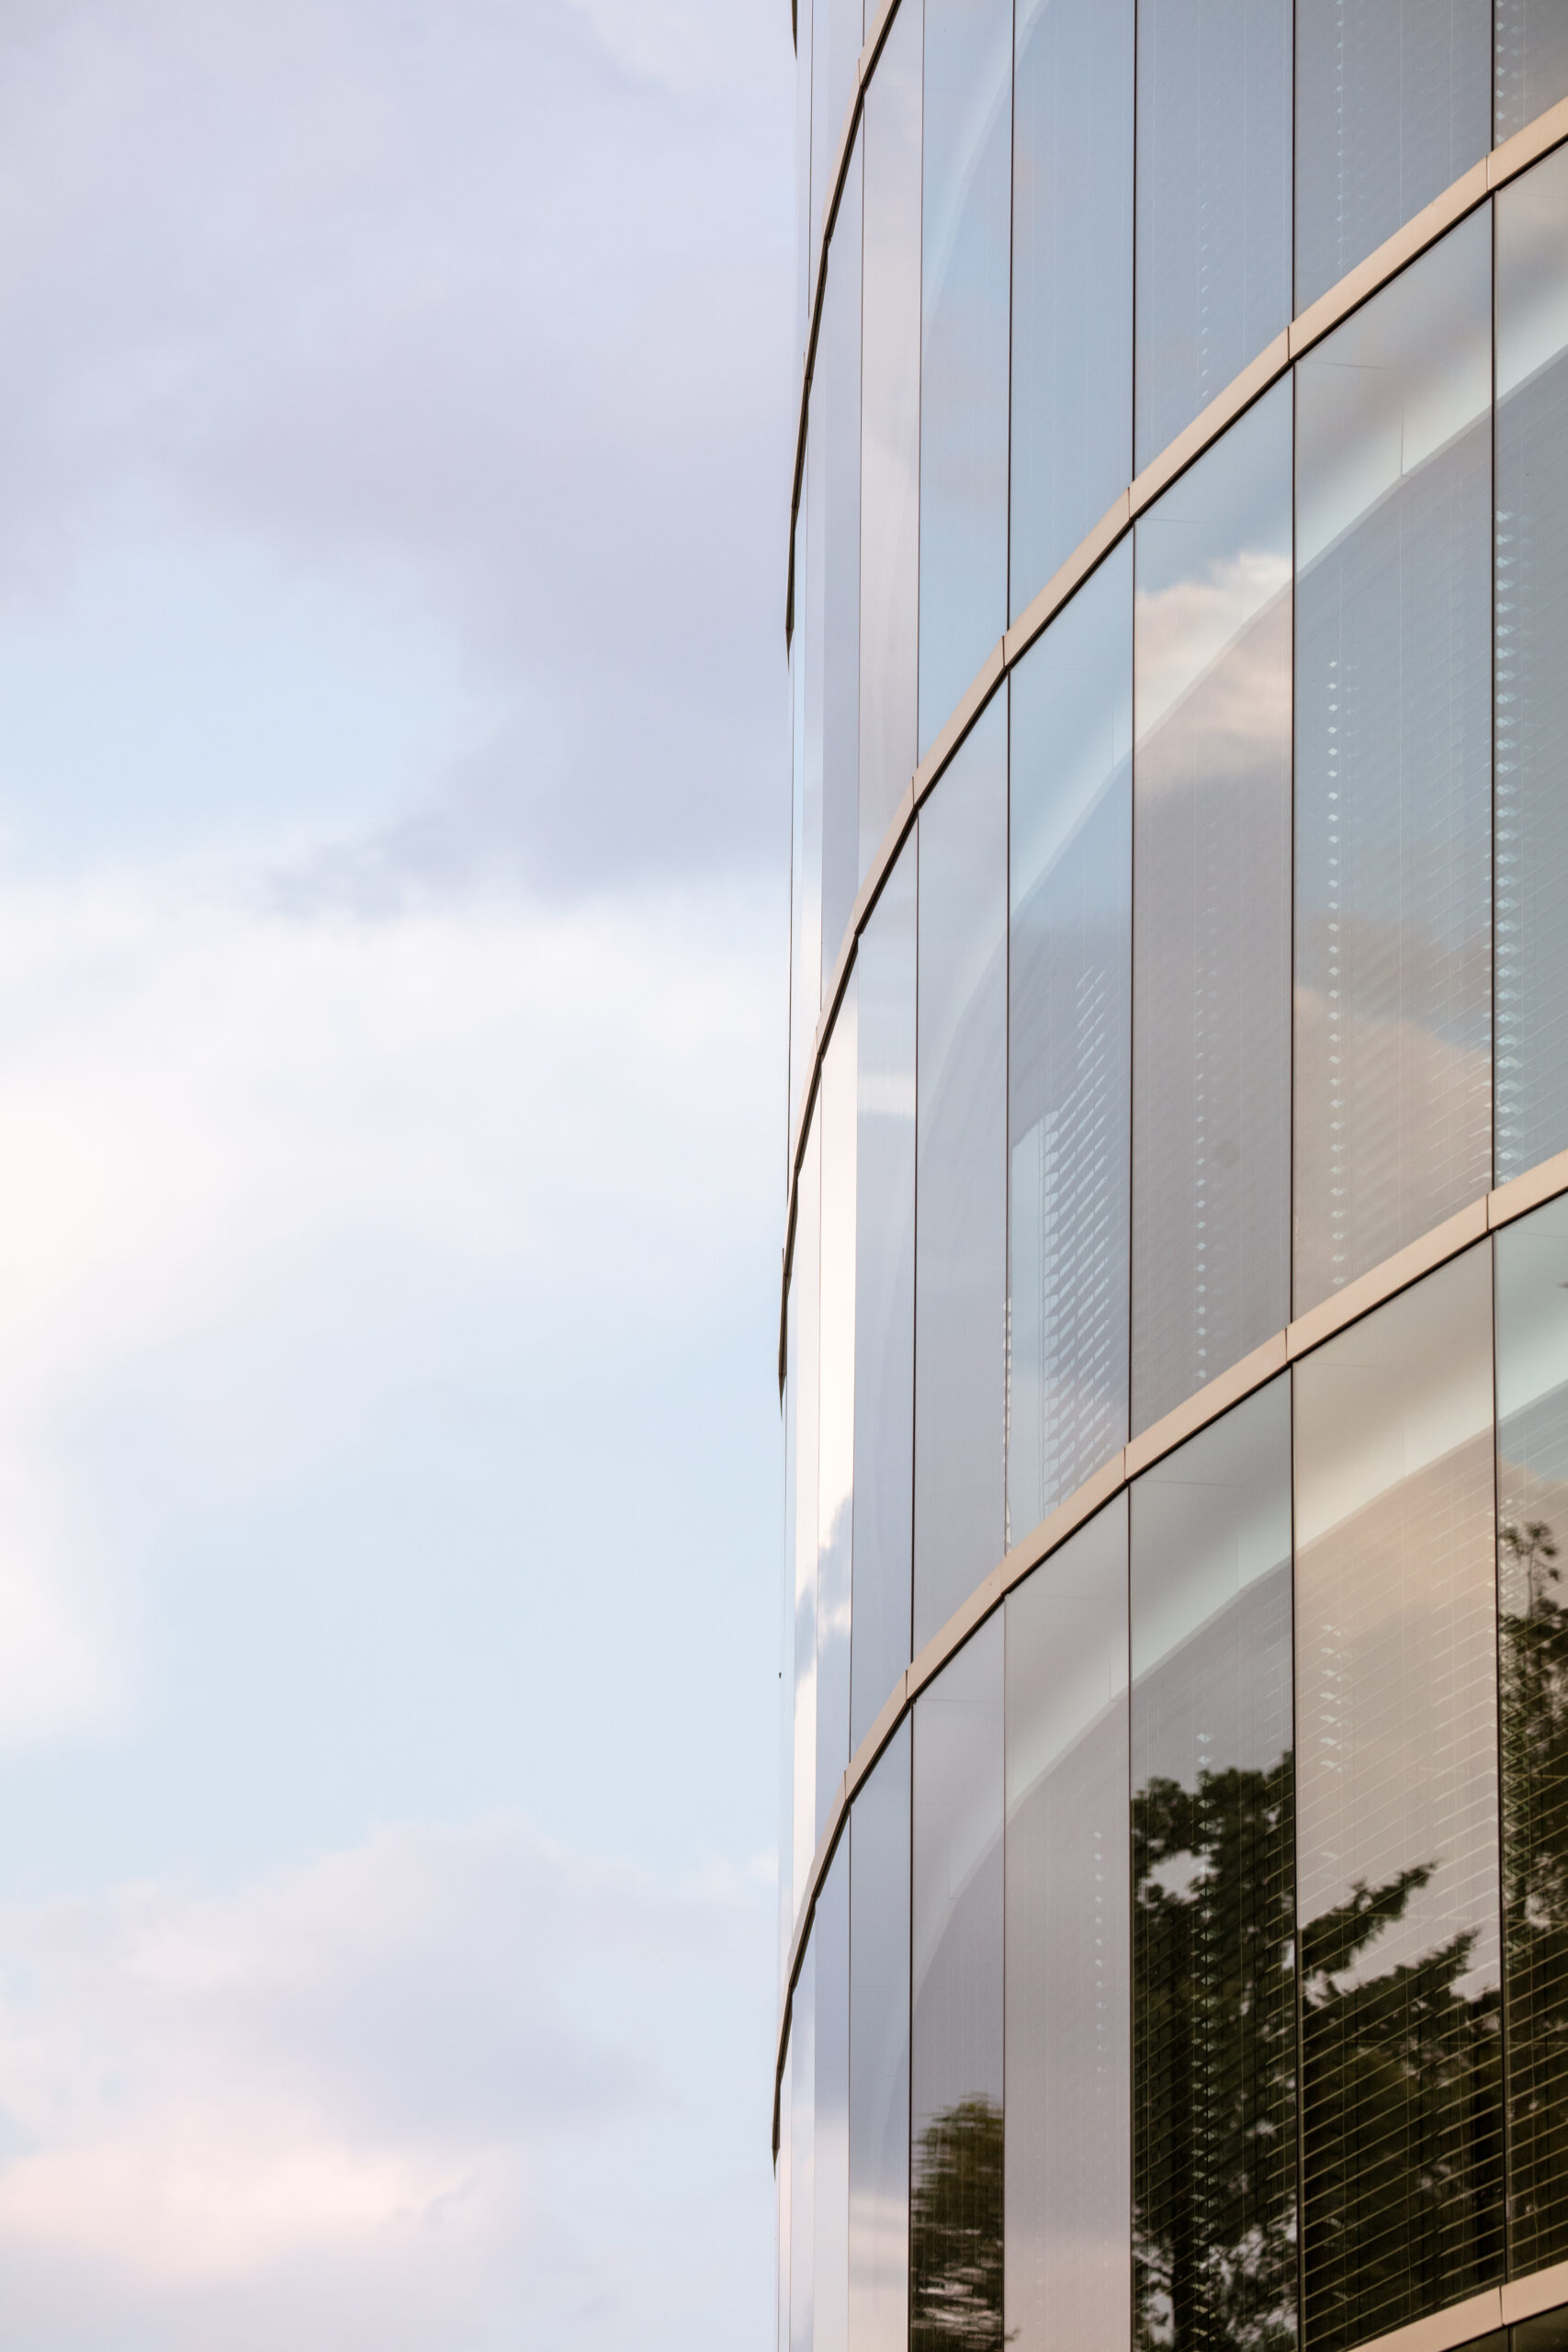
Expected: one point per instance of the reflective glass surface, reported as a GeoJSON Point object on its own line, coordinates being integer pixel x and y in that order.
{"type": "Point", "coordinates": [1214, 202]}
{"type": "Point", "coordinates": [879, 2056]}
{"type": "Point", "coordinates": [890, 430]}
{"type": "Point", "coordinates": [1393, 712]}
{"type": "Point", "coordinates": [1397, 1821]}
{"type": "Point", "coordinates": [1532, 665]}
{"type": "Point", "coordinates": [1211, 946]}
{"type": "Point", "coordinates": [1393, 101]}
{"type": "Point", "coordinates": [831, 2186]}
{"type": "Point", "coordinates": [1067, 2087]}
{"type": "Point", "coordinates": [1070, 1047]}
{"type": "Point", "coordinates": [782, 2169]}
{"type": "Point", "coordinates": [803, 263]}
{"type": "Point", "coordinates": [1532, 1535]}
{"type": "Point", "coordinates": [838, 1121]}
{"type": "Point", "coordinates": [961, 1196]}
{"type": "Point", "coordinates": [786, 1637]}
{"type": "Point", "coordinates": [1531, 61]}
{"type": "Point", "coordinates": [1214, 1888]}
{"type": "Point", "coordinates": [806, 961]}
{"type": "Point", "coordinates": [805, 1301]}
{"type": "Point", "coordinates": [1072, 277]}
{"type": "Point", "coordinates": [965, 278]}
{"type": "Point", "coordinates": [956, 2196]}
{"type": "Point", "coordinates": [802, 2157]}
{"type": "Point", "coordinates": [884, 1298]}
{"type": "Point", "coordinates": [837, 388]}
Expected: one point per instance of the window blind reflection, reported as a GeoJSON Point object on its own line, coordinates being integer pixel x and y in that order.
{"type": "Point", "coordinates": [1531, 64]}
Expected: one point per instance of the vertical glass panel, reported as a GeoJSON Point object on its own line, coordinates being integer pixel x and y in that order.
{"type": "Point", "coordinates": [1214, 1889]}
{"type": "Point", "coordinates": [837, 1117]}
{"type": "Point", "coordinates": [1393, 101]}
{"type": "Point", "coordinates": [1213, 270]}
{"type": "Point", "coordinates": [964, 279]}
{"type": "Point", "coordinates": [955, 2198]}
{"type": "Point", "coordinates": [1531, 61]}
{"type": "Point", "coordinates": [1396, 1705]}
{"type": "Point", "coordinates": [830, 2261]}
{"type": "Point", "coordinates": [890, 429]}
{"type": "Point", "coordinates": [1072, 277]}
{"type": "Point", "coordinates": [803, 234]}
{"type": "Point", "coordinates": [805, 962]}
{"type": "Point", "coordinates": [960, 1218]}
{"type": "Point", "coordinates": [839, 389]}
{"type": "Point", "coordinates": [1393, 694]}
{"type": "Point", "coordinates": [879, 2056]}
{"type": "Point", "coordinates": [803, 2156]}
{"type": "Point", "coordinates": [1532, 1523]}
{"type": "Point", "coordinates": [782, 2209]}
{"type": "Point", "coordinates": [1212, 953]}
{"type": "Point", "coordinates": [805, 1270]}
{"type": "Point", "coordinates": [1068, 2073]}
{"type": "Point", "coordinates": [885, 1298]}
{"type": "Point", "coordinates": [1069, 1112]}
{"type": "Point", "coordinates": [1532, 665]}
{"type": "Point", "coordinates": [787, 1637]}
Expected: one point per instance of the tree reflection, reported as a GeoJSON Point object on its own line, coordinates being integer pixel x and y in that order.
{"type": "Point", "coordinates": [1534, 1696]}
{"type": "Point", "coordinates": [956, 2231]}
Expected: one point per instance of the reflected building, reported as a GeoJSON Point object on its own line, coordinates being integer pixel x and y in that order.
{"type": "Point", "coordinates": [1173, 1932]}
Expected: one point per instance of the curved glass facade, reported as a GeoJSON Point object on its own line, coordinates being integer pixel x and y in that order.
{"type": "Point", "coordinates": [1174, 1872]}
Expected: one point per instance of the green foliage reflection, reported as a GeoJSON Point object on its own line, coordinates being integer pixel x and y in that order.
{"type": "Point", "coordinates": [1534, 1696]}
{"type": "Point", "coordinates": [955, 2231]}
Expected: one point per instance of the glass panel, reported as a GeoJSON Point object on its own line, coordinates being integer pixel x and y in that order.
{"type": "Point", "coordinates": [1532, 1518]}
{"type": "Point", "coordinates": [838, 388]}
{"type": "Point", "coordinates": [1067, 2071]}
{"type": "Point", "coordinates": [1072, 277]}
{"type": "Point", "coordinates": [803, 2154]}
{"type": "Point", "coordinates": [830, 2187]}
{"type": "Point", "coordinates": [1532, 666]}
{"type": "Point", "coordinates": [1214, 1889]}
{"type": "Point", "coordinates": [885, 1298]}
{"type": "Point", "coordinates": [783, 2225]}
{"type": "Point", "coordinates": [1071, 892]}
{"type": "Point", "coordinates": [879, 2056]}
{"type": "Point", "coordinates": [1397, 1819]}
{"type": "Point", "coordinates": [890, 428]}
{"type": "Point", "coordinates": [964, 298]}
{"type": "Point", "coordinates": [806, 965]}
{"type": "Point", "coordinates": [1394, 691]}
{"type": "Point", "coordinates": [838, 1121]}
{"type": "Point", "coordinates": [955, 2202]}
{"type": "Point", "coordinates": [806, 1300]}
{"type": "Point", "coordinates": [803, 263]}
{"type": "Point", "coordinates": [1547, 2334]}
{"type": "Point", "coordinates": [1212, 951]}
{"type": "Point", "coordinates": [960, 1219]}
{"type": "Point", "coordinates": [1393, 101]}
{"type": "Point", "coordinates": [1531, 61]}
{"type": "Point", "coordinates": [1213, 271]}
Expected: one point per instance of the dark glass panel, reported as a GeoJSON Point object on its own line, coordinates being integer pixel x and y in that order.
{"type": "Point", "coordinates": [890, 427]}
{"type": "Point", "coordinates": [879, 2056]}
{"type": "Point", "coordinates": [1396, 1702]}
{"type": "Point", "coordinates": [1547, 2334]}
{"type": "Point", "coordinates": [1070, 988]}
{"type": "Point", "coordinates": [1532, 666]}
{"type": "Point", "coordinates": [1214, 1889]}
{"type": "Point", "coordinates": [1533, 1546]}
{"type": "Point", "coordinates": [884, 1298]}
{"type": "Point", "coordinates": [831, 2186]}
{"type": "Point", "coordinates": [961, 1203]}
{"type": "Point", "coordinates": [838, 390]}
{"type": "Point", "coordinates": [802, 2157]}
{"type": "Point", "coordinates": [955, 2194]}
{"type": "Point", "coordinates": [838, 1120]}
{"type": "Point", "coordinates": [1068, 2073]}
{"type": "Point", "coordinates": [1394, 815]}
{"type": "Point", "coordinates": [1072, 277]}
{"type": "Point", "coordinates": [1393, 101]}
{"type": "Point", "coordinates": [964, 279]}
{"type": "Point", "coordinates": [805, 1301]}
{"type": "Point", "coordinates": [1211, 948]}
{"type": "Point", "coordinates": [1531, 62]}
{"type": "Point", "coordinates": [1214, 269]}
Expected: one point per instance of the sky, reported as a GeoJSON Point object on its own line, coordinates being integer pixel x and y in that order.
{"type": "Point", "coordinates": [393, 926]}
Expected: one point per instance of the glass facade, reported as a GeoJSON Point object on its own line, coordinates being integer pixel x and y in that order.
{"type": "Point", "coordinates": [1175, 1412]}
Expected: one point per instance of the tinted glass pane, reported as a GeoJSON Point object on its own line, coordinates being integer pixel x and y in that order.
{"type": "Point", "coordinates": [960, 1231]}
{"type": "Point", "coordinates": [879, 2056]}
{"type": "Point", "coordinates": [1071, 897]}
{"type": "Point", "coordinates": [1532, 61]}
{"type": "Point", "coordinates": [1214, 200]}
{"type": "Point", "coordinates": [955, 2198]}
{"type": "Point", "coordinates": [1393, 100]}
{"type": "Point", "coordinates": [890, 426]}
{"type": "Point", "coordinates": [1532, 666]}
{"type": "Point", "coordinates": [1532, 1516]}
{"type": "Point", "coordinates": [1214, 1888]}
{"type": "Point", "coordinates": [963, 357]}
{"type": "Point", "coordinates": [1072, 277]}
{"type": "Point", "coordinates": [1068, 2089]}
{"type": "Point", "coordinates": [803, 2154]}
{"type": "Point", "coordinates": [837, 1117]}
{"type": "Point", "coordinates": [1212, 955]}
{"type": "Point", "coordinates": [830, 2199]}
{"type": "Point", "coordinates": [837, 388]}
{"type": "Point", "coordinates": [885, 1298]}
{"type": "Point", "coordinates": [1397, 1823]}
{"type": "Point", "coordinates": [1392, 1081]}
{"type": "Point", "coordinates": [1547, 2334]}
{"type": "Point", "coordinates": [806, 1305]}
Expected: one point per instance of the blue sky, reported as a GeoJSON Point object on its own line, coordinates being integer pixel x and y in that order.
{"type": "Point", "coordinates": [393, 890]}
